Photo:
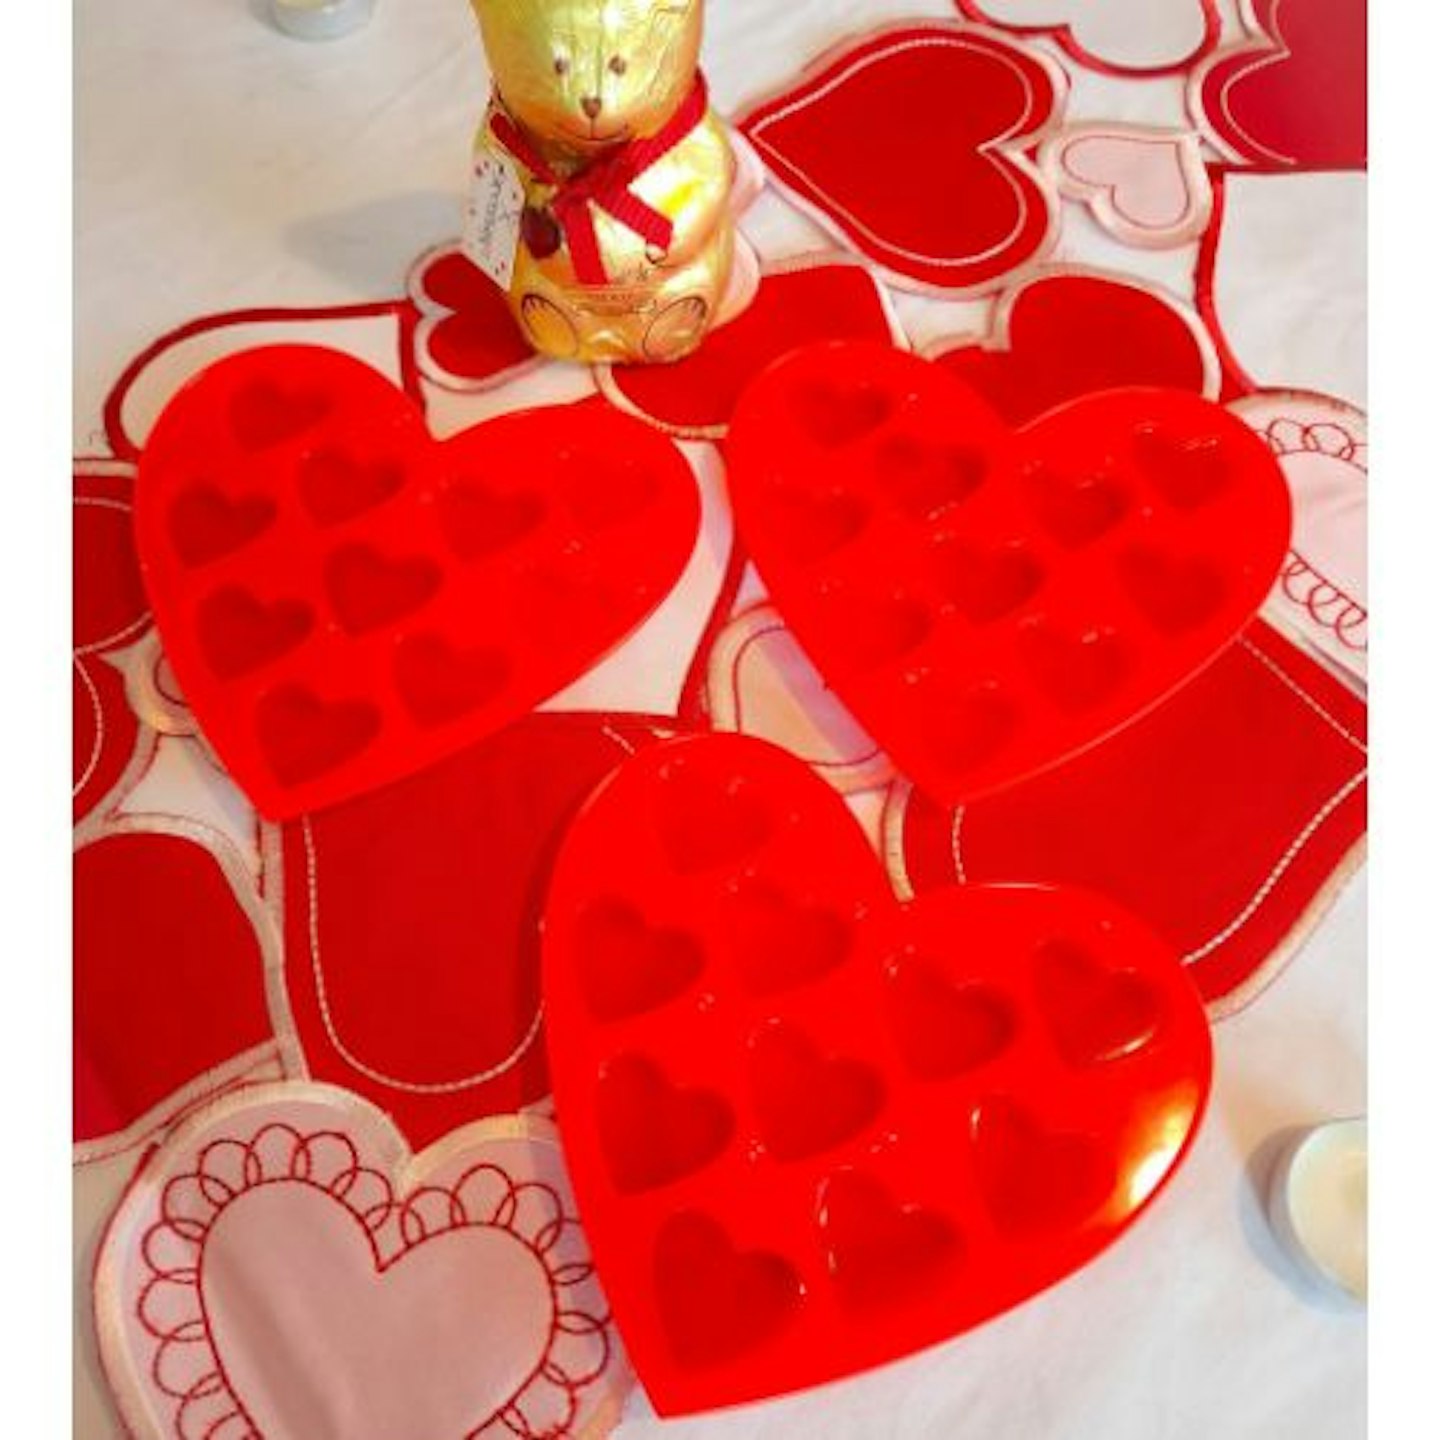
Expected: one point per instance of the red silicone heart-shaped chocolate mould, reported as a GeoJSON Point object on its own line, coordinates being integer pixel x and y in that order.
{"type": "Point", "coordinates": [812, 1129]}
{"type": "Point", "coordinates": [345, 600]}
{"type": "Point", "coordinates": [988, 601]}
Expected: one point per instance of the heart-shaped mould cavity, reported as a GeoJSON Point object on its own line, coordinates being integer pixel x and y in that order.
{"type": "Point", "coordinates": [652, 1133]}
{"type": "Point", "coordinates": [1035, 1179]}
{"type": "Point", "coordinates": [628, 967]}
{"type": "Point", "coordinates": [345, 600]}
{"type": "Point", "coordinates": [1094, 1014]}
{"type": "Point", "coordinates": [812, 1129]}
{"type": "Point", "coordinates": [988, 602]}
{"type": "Point", "coordinates": [923, 480]}
{"type": "Point", "coordinates": [439, 682]}
{"type": "Point", "coordinates": [806, 1103]}
{"type": "Point", "coordinates": [879, 1252]}
{"type": "Point", "coordinates": [337, 487]}
{"type": "Point", "coordinates": [942, 1029]}
{"type": "Point", "coordinates": [206, 524]}
{"type": "Point", "coordinates": [839, 414]}
{"type": "Point", "coordinates": [478, 520]}
{"type": "Point", "coordinates": [266, 411]}
{"type": "Point", "coordinates": [718, 1303]}
{"type": "Point", "coordinates": [1076, 508]}
{"type": "Point", "coordinates": [778, 942]}
{"type": "Point", "coordinates": [239, 633]}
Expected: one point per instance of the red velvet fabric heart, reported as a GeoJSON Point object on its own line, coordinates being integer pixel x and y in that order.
{"type": "Point", "coordinates": [989, 602]}
{"type": "Point", "coordinates": [909, 145]}
{"type": "Point", "coordinates": [169, 977]}
{"type": "Point", "coordinates": [1268, 806]}
{"type": "Point", "coordinates": [1292, 94]}
{"type": "Point", "coordinates": [345, 601]}
{"type": "Point", "coordinates": [412, 923]}
{"type": "Point", "coordinates": [110, 613]}
{"type": "Point", "coordinates": [790, 1172]}
{"type": "Point", "coordinates": [1058, 337]}
{"type": "Point", "coordinates": [466, 337]}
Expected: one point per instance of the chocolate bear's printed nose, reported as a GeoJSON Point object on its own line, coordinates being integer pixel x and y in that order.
{"type": "Point", "coordinates": [591, 106]}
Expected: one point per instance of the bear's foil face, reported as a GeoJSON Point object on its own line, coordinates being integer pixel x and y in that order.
{"type": "Point", "coordinates": [586, 74]}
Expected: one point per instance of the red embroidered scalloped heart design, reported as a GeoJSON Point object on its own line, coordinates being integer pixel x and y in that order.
{"type": "Point", "coordinates": [345, 600]}
{"type": "Point", "coordinates": [1293, 94]}
{"type": "Point", "coordinates": [989, 602]}
{"type": "Point", "coordinates": [450, 1293]}
{"type": "Point", "coordinates": [847, 1128]}
{"type": "Point", "coordinates": [909, 146]}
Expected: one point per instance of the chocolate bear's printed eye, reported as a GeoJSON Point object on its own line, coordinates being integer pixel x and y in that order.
{"type": "Point", "coordinates": [562, 65]}
{"type": "Point", "coordinates": [618, 65]}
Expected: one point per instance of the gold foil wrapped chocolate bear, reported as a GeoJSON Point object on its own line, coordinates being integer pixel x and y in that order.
{"type": "Point", "coordinates": [626, 236]}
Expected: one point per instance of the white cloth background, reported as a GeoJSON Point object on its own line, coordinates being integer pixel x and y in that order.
{"type": "Point", "coordinates": [221, 165]}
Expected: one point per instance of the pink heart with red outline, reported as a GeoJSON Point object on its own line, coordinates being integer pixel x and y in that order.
{"type": "Point", "coordinates": [284, 1263]}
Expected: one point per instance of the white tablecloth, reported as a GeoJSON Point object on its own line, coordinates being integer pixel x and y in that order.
{"type": "Point", "coordinates": [221, 165]}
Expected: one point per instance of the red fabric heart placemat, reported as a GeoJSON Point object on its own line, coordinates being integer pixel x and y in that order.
{"type": "Point", "coordinates": [1226, 818]}
{"type": "Point", "coordinates": [986, 601]}
{"type": "Point", "coordinates": [1061, 335]}
{"type": "Point", "coordinates": [345, 600]}
{"type": "Point", "coordinates": [170, 978]}
{"type": "Point", "coordinates": [465, 337]}
{"type": "Point", "coordinates": [909, 145]}
{"type": "Point", "coordinates": [811, 1130]}
{"type": "Point", "coordinates": [110, 613]}
{"type": "Point", "coordinates": [412, 922]}
{"type": "Point", "coordinates": [1291, 94]}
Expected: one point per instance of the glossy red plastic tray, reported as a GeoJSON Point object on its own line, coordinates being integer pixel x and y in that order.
{"type": "Point", "coordinates": [345, 600]}
{"type": "Point", "coordinates": [811, 1129]}
{"type": "Point", "coordinates": [988, 601]}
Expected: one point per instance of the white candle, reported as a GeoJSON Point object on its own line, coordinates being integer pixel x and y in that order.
{"type": "Point", "coordinates": [320, 19]}
{"type": "Point", "coordinates": [1319, 1204]}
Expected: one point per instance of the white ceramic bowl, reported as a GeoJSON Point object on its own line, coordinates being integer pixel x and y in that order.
{"type": "Point", "coordinates": [1319, 1204]}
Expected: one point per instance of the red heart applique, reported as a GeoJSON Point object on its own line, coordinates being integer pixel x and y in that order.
{"type": "Point", "coordinates": [806, 301]}
{"type": "Point", "coordinates": [987, 602]}
{"type": "Point", "coordinates": [1291, 95]}
{"type": "Point", "coordinates": [1060, 336]}
{"type": "Point", "coordinates": [909, 146]}
{"type": "Point", "coordinates": [104, 732]}
{"type": "Point", "coordinates": [169, 978]}
{"type": "Point", "coordinates": [110, 613]}
{"type": "Point", "coordinates": [1268, 805]}
{"type": "Point", "coordinates": [344, 600]}
{"type": "Point", "coordinates": [795, 1168]}
{"type": "Point", "coordinates": [466, 338]}
{"type": "Point", "coordinates": [412, 923]}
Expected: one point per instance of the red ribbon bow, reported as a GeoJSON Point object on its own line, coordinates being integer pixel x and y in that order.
{"type": "Point", "coordinates": [605, 184]}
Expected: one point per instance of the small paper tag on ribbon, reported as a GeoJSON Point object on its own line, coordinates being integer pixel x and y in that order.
{"type": "Point", "coordinates": [492, 217]}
